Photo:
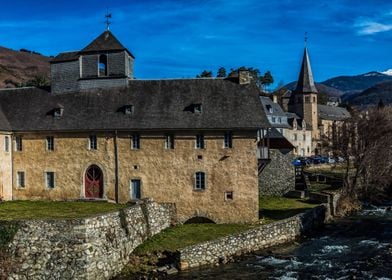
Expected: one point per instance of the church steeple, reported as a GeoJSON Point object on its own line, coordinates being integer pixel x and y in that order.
{"type": "Point", "coordinates": [305, 82]}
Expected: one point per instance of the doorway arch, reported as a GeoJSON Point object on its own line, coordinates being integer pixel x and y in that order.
{"type": "Point", "coordinates": [93, 182]}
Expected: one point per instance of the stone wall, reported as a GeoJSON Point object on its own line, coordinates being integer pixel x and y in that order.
{"type": "Point", "coordinates": [166, 175]}
{"type": "Point", "coordinates": [91, 248]}
{"type": "Point", "coordinates": [265, 236]}
{"type": "Point", "coordinates": [278, 177]}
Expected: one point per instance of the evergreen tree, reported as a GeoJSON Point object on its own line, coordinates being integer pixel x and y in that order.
{"type": "Point", "coordinates": [205, 74]}
{"type": "Point", "coordinates": [221, 73]}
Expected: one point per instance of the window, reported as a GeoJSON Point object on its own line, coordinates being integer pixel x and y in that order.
{"type": "Point", "coordinates": [307, 99]}
{"type": "Point", "coordinates": [304, 137]}
{"type": "Point", "coordinates": [197, 108]}
{"type": "Point", "coordinates": [93, 142]}
{"type": "Point", "coordinates": [199, 141]}
{"type": "Point", "coordinates": [50, 143]}
{"type": "Point", "coordinates": [128, 110]}
{"type": "Point", "coordinates": [228, 142]}
{"type": "Point", "coordinates": [200, 183]}
{"type": "Point", "coordinates": [135, 141]}
{"type": "Point", "coordinates": [279, 120]}
{"type": "Point", "coordinates": [314, 99]}
{"type": "Point", "coordinates": [49, 180]}
{"type": "Point", "coordinates": [273, 119]}
{"type": "Point", "coordinates": [20, 179]}
{"type": "Point", "coordinates": [6, 144]}
{"type": "Point", "coordinates": [169, 143]}
{"type": "Point", "coordinates": [103, 65]}
{"type": "Point", "coordinates": [229, 196]}
{"type": "Point", "coordinates": [135, 191]}
{"type": "Point", "coordinates": [295, 137]}
{"type": "Point", "coordinates": [58, 112]}
{"type": "Point", "coordinates": [269, 108]}
{"type": "Point", "coordinates": [18, 143]}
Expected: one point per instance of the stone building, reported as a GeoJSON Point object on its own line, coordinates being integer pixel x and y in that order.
{"type": "Point", "coordinates": [101, 135]}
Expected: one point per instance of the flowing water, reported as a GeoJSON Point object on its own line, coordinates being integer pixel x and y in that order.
{"type": "Point", "coordinates": [353, 248]}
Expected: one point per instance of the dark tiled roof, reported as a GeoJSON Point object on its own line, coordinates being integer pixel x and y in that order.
{"type": "Point", "coordinates": [158, 105]}
{"type": "Point", "coordinates": [66, 56]}
{"type": "Point", "coordinates": [333, 113]}
{"type": "Point", "coordinates": [105, 42]}
{"type": "Point", "coordinates": [268, 103]}
{"type": "Point", "coordinates": [305, 82]}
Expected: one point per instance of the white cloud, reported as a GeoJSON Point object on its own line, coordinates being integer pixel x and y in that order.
{"type": "Point", "coordinates": [372, 27]}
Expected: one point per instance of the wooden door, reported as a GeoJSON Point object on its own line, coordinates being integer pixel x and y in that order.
{"type": "Point", "coordinates": [93, 182]}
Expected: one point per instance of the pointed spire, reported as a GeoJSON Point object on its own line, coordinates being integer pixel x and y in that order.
{"type": "Point", "coordinates": [305, 82]}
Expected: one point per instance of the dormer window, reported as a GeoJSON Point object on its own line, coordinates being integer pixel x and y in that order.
{"type": "Point", "coordinates": [103, 65]}
{"type": "Point", "coordinates": [197, 108]}
{"type": "Point", "coordinates": [128, 110]}
{"type": "Point", "coordinates": [58, 112]}
{"type": "Point", "coordinates": [270, 109]}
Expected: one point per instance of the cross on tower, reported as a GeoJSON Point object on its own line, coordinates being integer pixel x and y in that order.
{"type": "Point", "coordinates": [108, 22]}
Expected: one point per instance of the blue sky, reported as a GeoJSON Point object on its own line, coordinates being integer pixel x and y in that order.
{"type": "Point", "coordinates": [180, 38]}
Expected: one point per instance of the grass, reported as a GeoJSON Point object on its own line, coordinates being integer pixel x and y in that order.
{"type": "Point", "coordinates": [30, 210]}
{"type": "Point", "coordinates": [172, 239]}
{"type": "Point", "coordinates": [277, 208]}
{"type": "Point", "coordinates": [181, 236]}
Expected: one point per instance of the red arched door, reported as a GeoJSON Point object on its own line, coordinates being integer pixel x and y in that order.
{"type": "Point", "coordinates": [93, 182]}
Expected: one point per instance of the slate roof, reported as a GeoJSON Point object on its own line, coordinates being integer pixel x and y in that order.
{"type": "Point", "coordinates": [106, 42]}
{"type": "Point", "coordinates": [158, 105]}
{"type": "Point", "coordinates": [333, 113]}
{"type": "Point", "coordinates": [268, 103]}
{"type": "Point", "coordinates": [305, 82]}
{"type": "Point", "coordinates": [66, 56]}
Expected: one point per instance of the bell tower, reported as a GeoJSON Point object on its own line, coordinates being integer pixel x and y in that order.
{"type": "Point", "coordinates": [303, 100]}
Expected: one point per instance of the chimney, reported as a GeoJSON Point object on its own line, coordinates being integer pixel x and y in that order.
{"type": "Point", "coordinates": [244, 77]}
{"type": "Point", "coordinates": [275, 98]}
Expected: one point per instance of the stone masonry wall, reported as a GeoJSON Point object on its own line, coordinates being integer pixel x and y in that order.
{"type": "Point", "coordinates": [255, 239]}
{"type": "Point", "coordinates": [278, 177]}
{"type": "Point", "coordinates": [91, 248]}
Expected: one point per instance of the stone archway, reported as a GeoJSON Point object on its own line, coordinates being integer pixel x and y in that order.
{"type": "Point", "coordinates": [93, 182]}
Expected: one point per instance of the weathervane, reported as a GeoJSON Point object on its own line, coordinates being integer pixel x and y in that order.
{"type": "Point", "coordinates": [108, 22]}
{"type": "Point", "coordinates": [306, 38]}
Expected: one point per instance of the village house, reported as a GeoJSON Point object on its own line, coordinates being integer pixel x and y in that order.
{"type": "Point", "coordinates": [99, 134]}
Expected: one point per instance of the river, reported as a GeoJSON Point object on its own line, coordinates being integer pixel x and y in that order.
{"type": "Point", "coordinates": [358, 247]}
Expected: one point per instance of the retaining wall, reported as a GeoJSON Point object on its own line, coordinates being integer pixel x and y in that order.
{"type": "Point", "coordinates": [219, 250]}
{"type": "Point", "coordinates": [91, 248]}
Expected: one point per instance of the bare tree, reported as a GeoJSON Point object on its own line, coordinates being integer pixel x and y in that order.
{"type": "Point", "coordinates": [365, 141]}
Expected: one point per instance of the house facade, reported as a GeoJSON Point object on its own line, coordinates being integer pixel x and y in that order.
{"type": "Point", "coordinates": [99, 134]}
{"type": "Point", "coordinates": [290, 125]}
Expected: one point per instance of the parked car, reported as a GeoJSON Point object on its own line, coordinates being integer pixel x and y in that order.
{"type": "Point", "coordinates": [331, 160]}
{"type": "Point", "coordinates": [300, 161]}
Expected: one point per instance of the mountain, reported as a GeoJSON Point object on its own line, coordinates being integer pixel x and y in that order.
{"type": "Point", "coordinates": [329, 91]}
{"type": "Point", "coordinates": [358, 83]}
{"type": "Point", "coordinates": [372, 95]}
{"type": "Point", "coordinates": [18, 67]}
{"type": "Point", "coordinates": [325, 92]}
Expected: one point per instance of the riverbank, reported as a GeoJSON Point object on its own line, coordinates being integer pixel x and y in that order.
{"type": "Point", "coordinates": [356, 247]}
{"type": "Point", "coordinates": [222, 250]}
